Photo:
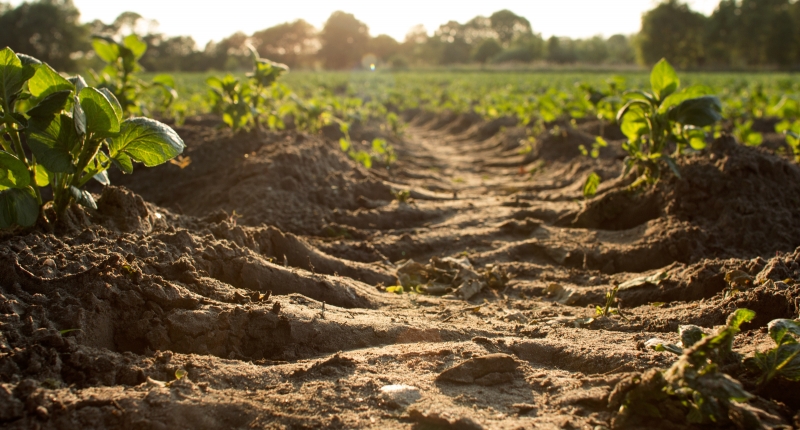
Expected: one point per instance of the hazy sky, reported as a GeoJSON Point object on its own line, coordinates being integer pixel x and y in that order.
{"type": "Point", "coordinates": [214, 20]}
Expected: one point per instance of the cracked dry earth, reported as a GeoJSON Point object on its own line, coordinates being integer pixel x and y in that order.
{"type": "Point", "coordinates": [257, 275]}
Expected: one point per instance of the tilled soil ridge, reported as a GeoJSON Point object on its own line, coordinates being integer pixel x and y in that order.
{"type": "Point", "coordinates": [248, 289]}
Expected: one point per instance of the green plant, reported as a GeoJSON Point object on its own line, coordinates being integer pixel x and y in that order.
{"type": "Point", "coordinates": [743, 131]}
{"type": "Point", "coordinates": [607, 309]}
{"type": "Point", "coordinates": [250, 102]}
{"type": "Point", "coordinates": [402, 196]}
{"type": "Point", "coordinates": [591, 184]}
{"type": "Point", "coordinates": [119, 73]}
{"type": "Point", "coordinates": [689, 334]}
{"type": "Point", "coordinates": [653, 120]}
{"type": "Point", "coordinates": [384, 151]}
{"type": "Point", "coordinates": [693, 389]}
{"type": "Point", "coordinates": [792, 132]}
{"type": "Point", "coordinates": [61, 133]}
{"type": "Point", "coordinates": [598, 143]}
{"type": "Point", "coordinates": [783, 360]}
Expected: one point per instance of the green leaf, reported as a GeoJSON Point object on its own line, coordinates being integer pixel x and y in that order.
{"type": "Point", "coordinates": [52, 104]}
{"type": "Point", "coordinates": [779, 328]}
{"type": "Point", "coordinates": [107, 50]}
{"type": "Point", "coordinates": [82, 197]}
{"type": "Point", "coordinates": [28, 60]}
{"type": "Point", "coordinates": [699, 111]}
{"type": "Point", "coordinates": [13, 73]}
{"type": "Point", "coordinates": [123, 162]}
{"type": "Point", "coordinates": [633, 123]}
{"type": "Point", "coordinates": [18, 207]}
{"type": "Point", "coordinates": [663, 79]}
{"type": "Point", "coordinates": [135, 43]}
{"type": "Point", "coordinates": [690, 334]}
{"type": "Point", "coordinates": [739, 317]}
{"type": "Point", "coordinates": [591, 184]}
{"type": "Point", "coordinates": [42, 176]}
{"type": "Point", "coordinates": [13, 172]}
{"type": "Point", "coordinates": [687, 93]}
{"type": "Point", "coordinates": [114, 102]}
{"type": "Point", "coordinates": [51, 141]}
{"type": "Point", "coordinates": [102, 178]}
{"type": "Point", "coordinates": [46, 81]}
{"type": "Point", "coordinates": [146, 141]}
{"type": "Point", "coordinates": [78, 82]}
{"type": "Point", "coordinates": [164, 79]}
{"type": "Point", "coordinates": [754, 139]}
{"type": "Point", "coordinates": [79, 117]}
{"type": "Point", "coordinates": [101, 117]}
{"type": "Point", "coordinates": [696, 137]}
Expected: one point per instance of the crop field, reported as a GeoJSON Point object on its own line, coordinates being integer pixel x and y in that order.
{"type": "Point", "coordinates": [415, 249]}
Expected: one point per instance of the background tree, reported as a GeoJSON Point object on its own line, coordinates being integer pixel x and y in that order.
{"type": "Point", "coordinates": [384, 47]}
{"type": "Point", "coordinates": [173, 54]}
{"type": "Point", "coordinates": [509, 26]}
{"type": "Point", "coordinates": [767, 32]}
{"type": "Point", "coordinates": [672, 31]}
{"type": "Point", "coordinates": [722, 35]}
{"type": "Point", "coordinates": [488, 49]}
{"type": "Point", "coordinates": [620, 50]}
{"type": "Point", "coordinates": [46, 29]}
{"type": "Point", "coordinates": [292, 43]}
{"type": "Point", "coordinates": [344, 41]}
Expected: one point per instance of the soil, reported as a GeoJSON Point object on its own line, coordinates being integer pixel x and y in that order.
{"type": "Point", "coordinates": [247, 289]}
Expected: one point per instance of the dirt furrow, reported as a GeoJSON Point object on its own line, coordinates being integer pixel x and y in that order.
{"type": "Point", "coordinates": [252, 292]}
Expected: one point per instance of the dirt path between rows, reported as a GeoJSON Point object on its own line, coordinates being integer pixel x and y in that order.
{"type": "Point", "coordinates": [258, 274]}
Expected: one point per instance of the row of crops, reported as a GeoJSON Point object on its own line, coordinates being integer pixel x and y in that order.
{"type": "Point", "coordinates": [749, 102]}
{"type": "Point", "coordinates": [60, 131]}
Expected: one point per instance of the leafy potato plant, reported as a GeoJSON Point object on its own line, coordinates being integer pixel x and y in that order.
{"type": "Point", "coordinates": [61, 133]}
{"type": "Point", "coordinates": [119, 74]}
{"type": "Point", "coordinates": [653, 120]}
{"type": "Point", "coordinates": [693, 389]}
{"type": "Point", "coordinates": [246, 103]}
{"type": "Point", "coordinates": [784, 359]}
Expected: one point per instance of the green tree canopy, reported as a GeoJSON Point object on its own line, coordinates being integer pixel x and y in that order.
{"type": "Point", "coordinates": [46, 29]}
{"type": "Point", "coordinates": [509, 26]}
{"type": "Point", "coordinates": [672, 31]}
{"type": "Point", "coordinates": [291, 43]}
{"type": "Point", "coordinates": [344, 41]}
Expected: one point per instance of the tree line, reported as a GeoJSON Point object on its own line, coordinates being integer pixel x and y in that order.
{"type": "Point", "coordinates": [738, 34]}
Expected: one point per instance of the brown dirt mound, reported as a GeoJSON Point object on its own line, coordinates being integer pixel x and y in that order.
{"type": "Point", "coordinates": [290, 180]}
{"type": "Point", "coordinates": [745, 199]}
{"type": "Point", "coordinates": [100, 317]}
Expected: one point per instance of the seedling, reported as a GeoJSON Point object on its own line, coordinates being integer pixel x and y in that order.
{"type": "Point", "coordinates": [653, 120]}
{"type": "Point", "coordinates": [591, 184]}
{"type": "Point", "coordinates": [693, 389]}
{"type": "Point", "coordinates": [179, 374]}
{"type": "Point", "coordinates": [594, 152]}
{"type": "Point", "coordinates": [608, 310]}
{"type": "Point", "coordinates": [402, 196]}
{"type": "Point", "coordinates": [743, 131]}
{"type": "Point", "coordinates": [119, 74]}
{"type": "Point", "coordinates": [248, 103]}
{"type": "Point", "coordinates": [384, 152]}
{"type": "Point", "coordinates": [792, 132]}
{"type": "Point", "coordinates": [737, 280]}
{"type": "Point", "coordinates": [783, 360]}
{"type": "Point", "coordinates": [61, 133]}
{"type": "Point", "coordinates": [689, 334]}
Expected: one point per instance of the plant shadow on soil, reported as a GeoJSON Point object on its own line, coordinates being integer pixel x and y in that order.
{"type": "Point", "coordinates": [259, 270]}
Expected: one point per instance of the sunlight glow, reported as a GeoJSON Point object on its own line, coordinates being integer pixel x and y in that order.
{"type": "Point", "coordinates": [210, 20]}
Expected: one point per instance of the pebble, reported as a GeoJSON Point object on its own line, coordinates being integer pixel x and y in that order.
{"type": "Point", "coordinates": [400, 396]}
